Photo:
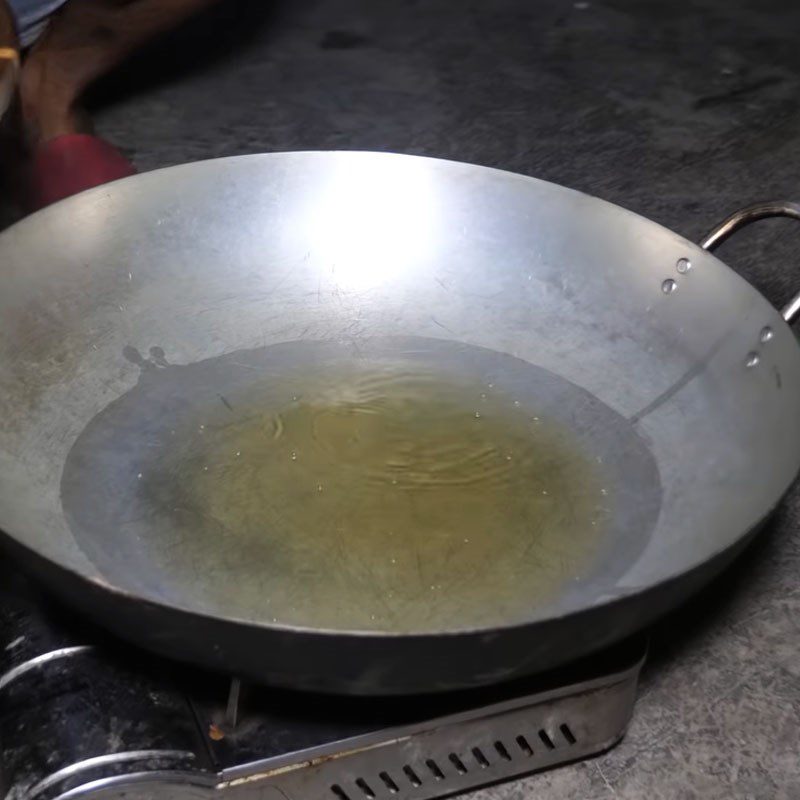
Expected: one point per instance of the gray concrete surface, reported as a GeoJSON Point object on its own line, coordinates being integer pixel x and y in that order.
{"type": "Point", "coordinates": [679, 111]}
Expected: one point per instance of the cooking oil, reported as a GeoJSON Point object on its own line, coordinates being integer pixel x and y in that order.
{"type": "Point", "coordinates": [386, 495]}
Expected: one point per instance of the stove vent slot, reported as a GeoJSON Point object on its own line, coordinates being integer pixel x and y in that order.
{"type": "Point", "coordinates": [483, 762]}
{"type": "Point", "coordinates": [546, 740]}
{"type": "Point", "coordinates": [458, 764]}
{"type": "Point", "coordinates": [339, 793]}
{"type": "Point", "coordinates": [412, 776]}
{"type": "Point", "coordinates": [389, 783]}
{"type": "Point", "coordinates": [524, 745]}
{"type": "Point", "coordinates": [567, 733]}
{"type": "Point", "coordinates": [366, 789]}
{"type": "Point", "coordinates": [502, 751]}
{"type": "Point", "coordinates": [435, 769]}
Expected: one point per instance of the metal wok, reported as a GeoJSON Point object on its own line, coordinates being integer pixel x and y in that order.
{"type": "Point", "coordinates": [663, 359]}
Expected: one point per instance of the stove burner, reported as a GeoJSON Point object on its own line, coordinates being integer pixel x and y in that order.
{"type": "Point", "coordinates": [85, 716]}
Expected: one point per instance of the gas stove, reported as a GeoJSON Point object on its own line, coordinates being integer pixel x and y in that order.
{"type": "Point", "coordinates": [83, 715]}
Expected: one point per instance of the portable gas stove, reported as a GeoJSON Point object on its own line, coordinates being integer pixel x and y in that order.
{"type": "Point", "coordinates": [84, 716]}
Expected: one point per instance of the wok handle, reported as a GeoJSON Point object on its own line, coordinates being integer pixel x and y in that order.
{"type": "Point", "coordinates": [744, 216]}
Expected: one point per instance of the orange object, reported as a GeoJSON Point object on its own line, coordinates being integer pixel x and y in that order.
{"type": "Point", "coordinates": [72, 163]}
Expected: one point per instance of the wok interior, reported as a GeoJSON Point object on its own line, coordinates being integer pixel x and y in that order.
{"type": "Point", "coordinates": [476, 271]}
{"type": "Point", "coordinates": [413, 485]}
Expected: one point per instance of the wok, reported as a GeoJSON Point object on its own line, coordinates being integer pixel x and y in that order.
{"type": "Point", "coordinates": [118, 304]}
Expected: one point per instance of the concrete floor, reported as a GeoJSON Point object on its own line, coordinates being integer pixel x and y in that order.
{"type": "Point", "coordinates": [679, 111]}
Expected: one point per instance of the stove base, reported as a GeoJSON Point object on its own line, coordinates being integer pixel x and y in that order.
{"type": "Point", "coordinates": [452, 754]}
{"type": "Point", "coordinates": [82, 715]}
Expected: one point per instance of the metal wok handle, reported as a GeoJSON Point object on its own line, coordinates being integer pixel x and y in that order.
{"type": "Point", "coordinates": [739, 219]}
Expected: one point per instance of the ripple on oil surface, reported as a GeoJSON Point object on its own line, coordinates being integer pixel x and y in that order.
{"type": "Point", "coordinates": [413, 488]}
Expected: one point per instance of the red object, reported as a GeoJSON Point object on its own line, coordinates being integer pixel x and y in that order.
{"type": "Point", "coordinates": [71, 163]}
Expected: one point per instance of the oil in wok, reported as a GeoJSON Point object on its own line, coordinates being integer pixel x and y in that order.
{"type": "Point", "coordinates": [382, 498]}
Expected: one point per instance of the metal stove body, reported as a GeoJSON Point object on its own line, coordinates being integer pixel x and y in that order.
{"type": "Point", "coordinates": [85, 716]}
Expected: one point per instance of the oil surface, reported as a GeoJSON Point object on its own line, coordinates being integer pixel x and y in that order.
{"type": "Point", "coordinates": [392, 485]}
{"type": "Point", "coordinates": [383, 494]}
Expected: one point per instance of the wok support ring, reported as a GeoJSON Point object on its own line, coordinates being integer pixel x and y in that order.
{"type": "Point", "coordinates": [745, 216]}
